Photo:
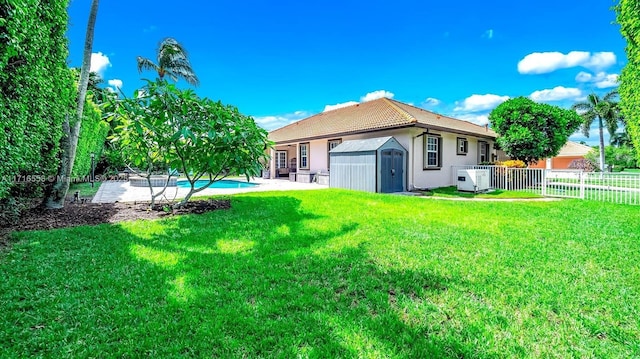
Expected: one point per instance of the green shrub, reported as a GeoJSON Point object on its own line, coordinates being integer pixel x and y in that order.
{"type": "Point", "coordinates": [93, 134]}
{"type": "Point", "coordinates": [36, 89]}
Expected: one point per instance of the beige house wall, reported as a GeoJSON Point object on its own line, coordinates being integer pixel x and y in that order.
{"type": "Point", "coordinates": [412, 139]}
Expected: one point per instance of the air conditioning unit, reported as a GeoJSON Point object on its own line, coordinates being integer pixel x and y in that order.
{"type": "Point", "coordinates": [473, 180]}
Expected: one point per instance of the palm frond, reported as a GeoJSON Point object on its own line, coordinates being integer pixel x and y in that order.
{"type": "Point", "coordinates": [609, 97]}
{"type": "Point", "coordinates": [146, 64]}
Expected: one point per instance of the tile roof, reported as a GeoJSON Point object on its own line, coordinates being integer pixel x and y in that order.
{"type": "Point", "coordinates": [574, 149]}
{"type": "Point", "coordinates": [371, 116]}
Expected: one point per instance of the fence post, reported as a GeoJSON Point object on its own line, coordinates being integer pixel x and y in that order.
{"type": "Point", "coordinates": [544, 182]}
{"type": "Point", "coordinates": [582, 189]}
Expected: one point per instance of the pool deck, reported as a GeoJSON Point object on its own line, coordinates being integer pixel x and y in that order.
{"type": "Point", "coordinates": [121, 191]}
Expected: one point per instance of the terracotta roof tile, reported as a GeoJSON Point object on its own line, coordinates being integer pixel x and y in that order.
{"type": "Point", "coordinates": [368, 116]}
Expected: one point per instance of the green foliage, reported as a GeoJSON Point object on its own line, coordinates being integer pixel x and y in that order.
{"type": "Point", "coordinates": [628, 16]}
{"type": "Point", "coordinates": [93, 134]}
{"type": "Point", "coordinates": [529, 131]}
{"type": "Point", "coordinates": [606, 111]}
{"type": "Point", "coordinates": [617, 157]}
{"type": "Point", "coordinates": [164, 127]}
{"type": "Point", "coordinates": [36, 88]}
{"type": "Point", "coordinates": [172, 61]}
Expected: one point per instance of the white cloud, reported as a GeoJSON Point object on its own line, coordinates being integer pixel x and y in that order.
{"type": "Point", "coordinates": [99, 63]}
{"type": "Point", "coordinates": [476, 103]}
{"type": "Point", "coordinates": [339, 105]}
{"type": "Point", "coordinates": [584, 77]}
{"type": "Point", "coordinates": [594, 136]}
{"type": "Point", "coordinates": [545, 62]}
{"type": "Point", "coordinates": [488, 34]}
{"type": "Point", "coordinates": [376, 95]}
{"type": "Point", "coordinates": [611, 80]}
{"type": "Point", "coordinates": [601, 79]}
{"type": "Point", "coordinates": [431, 102]}
{"type": "Point", "coordinates": [478, 119]}
{"type": "Point", "coordinates": [368, 97]}
{"type": "Point", "coordinates": [557, 93]}
{"type": "Point", "coordinates": [116, 83]}
{"type": "Point", "coordinates": [272, 122]}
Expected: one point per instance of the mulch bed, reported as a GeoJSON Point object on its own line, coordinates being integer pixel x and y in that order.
{"type": "Point", "coordinates": [78, 214]}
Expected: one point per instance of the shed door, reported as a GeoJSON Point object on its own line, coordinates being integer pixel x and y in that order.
{"type": "Point", "coordinates": [392, 175]}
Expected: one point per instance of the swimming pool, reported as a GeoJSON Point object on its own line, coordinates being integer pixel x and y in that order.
{"type": "Point", "coordinates": [217, 184]}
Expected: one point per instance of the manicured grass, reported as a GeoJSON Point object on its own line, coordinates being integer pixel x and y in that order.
{"type": "Point", "coordinates": [84, 188]}
{"type": "Point", "coordinates": [452, 191]}
{"type": "Point", "coordinates": [332, 274]}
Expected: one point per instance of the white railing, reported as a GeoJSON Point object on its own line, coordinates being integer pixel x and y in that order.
{"type": "Point", "coordinates": [610, 187]}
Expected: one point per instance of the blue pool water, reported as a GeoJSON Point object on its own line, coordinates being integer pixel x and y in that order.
{"type": "Point", "coordinates": [218, 184]}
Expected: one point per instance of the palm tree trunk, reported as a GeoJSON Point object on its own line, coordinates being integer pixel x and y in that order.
{"type": "Point", "coordinates": [69, 142]}
{"type": "Point", "coordinates": [600, 129]}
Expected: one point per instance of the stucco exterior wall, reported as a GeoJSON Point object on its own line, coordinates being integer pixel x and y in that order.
{"type": "Point", "coordinates": [412, 139]}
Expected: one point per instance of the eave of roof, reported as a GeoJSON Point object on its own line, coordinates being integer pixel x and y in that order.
{"type": "Point", "coordinates": [373, 116]}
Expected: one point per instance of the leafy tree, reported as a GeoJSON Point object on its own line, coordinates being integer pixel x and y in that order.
{"type": "Point", "coordinates": [166, 128]}
{"type": "Point", "coordinates": [628, 16]}
{"type": "Point", "coordinates": [605, 110]}
{"type": "Point", "coordinates": [57, 192]}
{"type": "Point", "coordinates": [172, 61]}
{"type": "Point", "coordinates": [36, 94]}
{"type": "Point", "coordinates": [618, 157]}
{"type": "Point", "coordinates": [529, 131]}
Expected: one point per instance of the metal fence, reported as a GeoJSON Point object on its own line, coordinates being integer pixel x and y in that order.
{"type": "Point", "coordinates": [611, 187]}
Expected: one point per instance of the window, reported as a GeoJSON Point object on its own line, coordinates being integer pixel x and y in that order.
{"type": "Point", "coordinates": [281, 159]}
{"type": "Point", "coordinates": [432, 152]}
{"type": "Point", "coordinates": [331, 144]}
{"type": "Point", "coordinates": [463, 146]}
{"type": "Point", "coordinates": [483, 152]}
{"type": "Point", "coordinates": [304, 155]}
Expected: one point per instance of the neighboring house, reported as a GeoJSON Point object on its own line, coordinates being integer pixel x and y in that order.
{"type": "Point", "coordinates": [568, 153]}
{"type": "Point", "coordinates": [433, 142]}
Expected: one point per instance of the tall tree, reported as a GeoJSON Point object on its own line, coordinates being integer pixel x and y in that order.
{"type": "Point", "coordinates": [57, 192]}
{"type": "Point", "coordinates": [628, 16]}
{"type": "Point", "coordinates": [529, 131]}
{"type": "Point", "coordinates": [172, 61]}
{"type": "Point", "coordinates": [605, 110]}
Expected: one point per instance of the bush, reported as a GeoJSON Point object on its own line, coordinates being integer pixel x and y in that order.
{"type": "Point", "coordinates": [93, 134]}
{"type": "Point", "coordinates": [36, 90]}
{"type": "Point", "coordinates": [512, 164]}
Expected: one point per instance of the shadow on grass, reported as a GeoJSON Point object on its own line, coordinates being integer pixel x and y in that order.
{"type": "Point", "coordinates": [258, 280]}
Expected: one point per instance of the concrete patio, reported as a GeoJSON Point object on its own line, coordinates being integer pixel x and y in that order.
{"type": "Point", "coordinates": [122, 191]}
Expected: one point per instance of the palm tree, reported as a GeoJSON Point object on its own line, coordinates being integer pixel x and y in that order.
{"type": "Point", "coordinates": [172, 61]}
{"type": "Point", "coordinates": [605, 110]}
{"type": "Point", "coordinates": [57, 192]}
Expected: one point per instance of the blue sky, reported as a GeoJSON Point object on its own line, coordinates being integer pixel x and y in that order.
{"type": "Point", "coordinates": [281, 61]}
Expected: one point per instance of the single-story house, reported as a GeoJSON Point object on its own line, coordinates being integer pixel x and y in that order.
{"type": "Point", "coordinates": [568, 153]}
{"type": "Point", "coordinates": [433, 143]}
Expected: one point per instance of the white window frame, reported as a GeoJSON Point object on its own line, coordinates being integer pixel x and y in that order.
{"type": "Point", "coordinates": [303, 155]}
{"type": "Point", "coordinates": [280, 162]}
{"type": "Point", "coordinates": [331, 144]}
{"type": "Point", "coordinates": [432, 147]}
{"type": "Point", "coordinates": [462, 146]}
{"type": "Point", "coordinates": [483, 146]}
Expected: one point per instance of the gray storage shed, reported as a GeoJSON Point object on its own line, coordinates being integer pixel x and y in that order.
{"type": "Point", "coordinates": [372, 165]}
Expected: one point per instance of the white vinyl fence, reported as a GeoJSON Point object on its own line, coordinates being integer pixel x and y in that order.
{"type": "Point", "coordinates": [611, 187]}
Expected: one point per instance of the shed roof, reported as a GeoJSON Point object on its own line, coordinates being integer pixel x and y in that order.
{"type": "Point", "coordinates": [370, 144]}
{"type": "Point", "coordinates": [380, 114]}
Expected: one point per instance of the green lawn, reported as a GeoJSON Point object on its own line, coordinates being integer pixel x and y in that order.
{"type": "Point", "coordinates": [452, 191]}
{"type": "Point", "coordinates": [332, 274]}
{"type": "Point", "coordinates": [85, 189]}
